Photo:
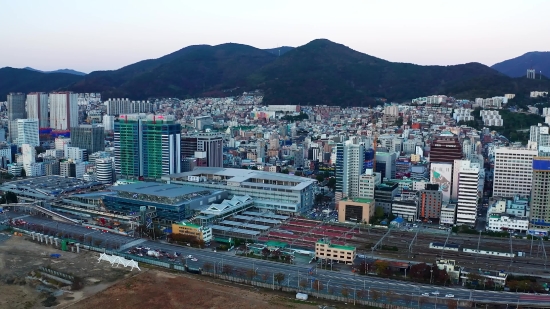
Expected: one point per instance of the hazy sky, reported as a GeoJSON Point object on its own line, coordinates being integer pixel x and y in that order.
{"type": "Point", "coordinates": [104, 35]}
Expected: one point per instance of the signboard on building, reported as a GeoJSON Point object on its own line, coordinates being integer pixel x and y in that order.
{"type": "Point", "coordinates": [544, 130]}
{"type": "Point", "coordinates": [541, 165]}
{"type": "Point", "coordinates": [441, 174]}
{"type": "Point", "coordinates": [537, 233]}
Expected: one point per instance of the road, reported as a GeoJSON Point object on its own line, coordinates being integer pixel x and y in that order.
{"type": "Point", "coordinates": [293, 273]}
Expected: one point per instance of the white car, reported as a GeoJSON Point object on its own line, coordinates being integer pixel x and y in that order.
{"type": "Point", "coordinates": [425, 294]}
{"type": "Point", "coordinates": [189, 257]}
{"type": "Point", "coordinates": [435, 293]}
{"type": "Point", "coordinates": [194, 259]}
{"type": "Point", "coordinates": [449, 295]}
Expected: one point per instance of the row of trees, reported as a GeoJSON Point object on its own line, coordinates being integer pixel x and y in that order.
{"type": "Point", "coordinates": [186, 239]}
{"type": "Point", "coordinates": [417, 272]}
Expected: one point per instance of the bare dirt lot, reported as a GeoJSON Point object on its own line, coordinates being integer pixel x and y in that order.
{"type": "Point", "coordinates": [20, 260]}
{"type": "Point", "coordinates": [154, 288]}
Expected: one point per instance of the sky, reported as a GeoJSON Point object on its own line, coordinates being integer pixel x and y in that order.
{"type": "Point", "coordinates": [106, 35]}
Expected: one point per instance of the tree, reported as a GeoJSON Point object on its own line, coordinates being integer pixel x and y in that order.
{"type": "Point", "coordinates": [227, 269]}
{"type": "Point", "coordinates": [320, 178]}
{"type": "Point", "coordinates": [255, 168]}
{"type": "Point", "coordinates": [390, 296]}
{"type": "Point", "coordinates": [441, 276]}
{"type": "Point", "coordinates": [319, 198]}
{"type": "Point", "coordinates": [279, 277]}
{"type": "Point", "coordinates": [331, 183]}
{"type": "Point", "coordinates": [250, 274]}
{"type": "Point", "coordinates": [317, 285]}
{"type": "Point", "coordinates": [361, 294]}
{"type": "Point", "coordinates": [379, 212]}
{"type": "Point", "coordinates": [11, 197]}
{"type": "Point", "coordinates": [303, 283]}
{"type": "Point", "coordinates": [208, 267]}
{"type": "Point", "coordinates": [298, 173]}
{"type": "Point", "coordinates": [23, 173]}
{"type": "Point", "coordinates": [266, 252]}
{"type": "Point", "coordinates": [344, 291]}
{"type": "Point", "coordinates": [284, 171]}
{"type": "Point", "coordinates": [265, 276]}
{"type": "Point", "coordinates": [381, 266]}
{"type": "Point", "coordinates": [420, 272]}
{"type": "Point", "coordinates": [375, 295]}
{"type": "Point", "coordinates": [452, 304]}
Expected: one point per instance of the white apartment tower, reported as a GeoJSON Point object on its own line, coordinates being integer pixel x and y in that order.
{"type": "Point", "coordinates": [37, 108]}
{"type": "Point", "coordinates": [63, 110]}
{"type": "Point", "coordinates": [468, 181]}
{"type": "Point", "coordinates": [513, 171]}
{"type": "Point", "coordinates": [368, 182]}
{"type": "Point", "coordinates": [349, 165]}
{"type": "Point", "coordinates": [29, 157]}
{"type": "Point", "coordinates": [27, 132]}
{"type": "Point", "coordinates": [104, 170]}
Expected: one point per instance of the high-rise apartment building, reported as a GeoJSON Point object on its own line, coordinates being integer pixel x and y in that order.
{"type": "Point", "coordinates": [209, 143]}
{"type": "Point", "coordinates": [445, 148]}
{"type": "Point", "coordinates": [539, 215]}
{"type": "Point", "coordinates": [430, 202]}
{"type": "Point", "coordinates": [349, 167]}
{"type": "Point", "coordinates": [16, 110]}
{"type": "Point", "coordinates": [63, 110]}
{"type": "Point", "coordinates": [89, 137]}
{"type": "Point", "coordinates": [513, 171]}
{"type": "Point", "coordinates": [29, 157]}
{"type": "Point", "coordinates": [37, 108]}
{"type": "Point", "coordinates": [117, 107]}
{"type": "Point", "coordinates": [27, 132]}
{"type": "Point", "coordinates": [385, 164]}
{"type": "Point", "coordinates": [147, 146]}
{"type": "Point", "coordinates": [468, 181]}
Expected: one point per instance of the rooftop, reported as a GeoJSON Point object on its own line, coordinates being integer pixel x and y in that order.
{"type": "Point", "coordinates": [183, 223]}
{"type": "Point", "coordinates": [237, 175]}
{"type": "Point", "coordinates": [327, 242]}
{"type": "Point", "coordinates": [358, 200]}
{"type": "Point", "coordinates": [158, 189]}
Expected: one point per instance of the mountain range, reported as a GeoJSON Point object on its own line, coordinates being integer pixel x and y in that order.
{"type": "Point", "coordinates": [516, 67]}
{"type": "Point", "coordinates": [68, 71]}
{"type": "Point", "coordinates": [319, 72]}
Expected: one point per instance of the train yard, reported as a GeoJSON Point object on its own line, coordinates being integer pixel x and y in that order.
{"type": "Point", "coordinates": [509, 254]}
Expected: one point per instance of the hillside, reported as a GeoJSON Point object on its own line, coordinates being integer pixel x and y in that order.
{"type": "Point", "coordinates": [23, 80]}
{"type": "Point", "coordinates": [517, 67]}
{"type": "Point", "coordinates": [192, 71]}
{"type": "Point", "coordinates": [320, 72]}
{"type": "Point", "coordinates": [279, 51]}
{"type": "Point", "coordinates": [323, 72]}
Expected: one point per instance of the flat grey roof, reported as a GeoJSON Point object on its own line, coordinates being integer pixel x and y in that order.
{"type": "Point", "coordinates": [235, 230]}
{"type": "Point", "coordinates": [257, 219]}
{"type": "Point", "coordinates": [158, 189]}
{"type": "Point", "coordinates": [248, 225]}
{"type": "Point", "coordinates": [265, 215]}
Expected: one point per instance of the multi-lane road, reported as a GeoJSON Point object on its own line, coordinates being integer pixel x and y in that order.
{"type": "Point", "coordinates": [294, 274]}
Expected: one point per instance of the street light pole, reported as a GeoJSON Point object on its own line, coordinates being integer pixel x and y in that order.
{"type": "Point", "coordinates": [328, 284]}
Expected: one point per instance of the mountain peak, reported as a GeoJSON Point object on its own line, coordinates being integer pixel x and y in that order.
{"type": "Point", "coordinates": [517, 67]}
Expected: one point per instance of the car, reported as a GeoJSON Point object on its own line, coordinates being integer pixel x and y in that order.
{"type": "Point", "coordinates": [435, 292]}
{"type": "Point", "coordinates": [449, 295]}
{"type": "Point", "coordinates": [189, 257]}
{"type": "Point", "coordinates": [425, 294]}
{"type": "Point", "coordinates": [194, 259]}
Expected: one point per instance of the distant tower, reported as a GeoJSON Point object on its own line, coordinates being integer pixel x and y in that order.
{"type": "Point", "coordinates": [531, 73]}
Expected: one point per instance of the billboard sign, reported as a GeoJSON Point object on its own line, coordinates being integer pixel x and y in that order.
{"type": "Point", "coordinates": [537, 233]}
{"type": "Point", "coordinates": [441, 174]}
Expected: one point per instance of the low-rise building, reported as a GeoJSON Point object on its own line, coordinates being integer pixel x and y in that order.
{"type": "Point", "coordinates": [327, 251]}
{"type": "Point", "coordinates": [201, 233]}
{"type": "Point", "coordinates": [448, 214]}
{"type": "Point", "coordinates": [356, 210]}
{"type": "Point", "coordinates": [503, 222]}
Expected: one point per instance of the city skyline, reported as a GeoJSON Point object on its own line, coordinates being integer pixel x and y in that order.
{"type": "Point", "coordinates": [106, 36]}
